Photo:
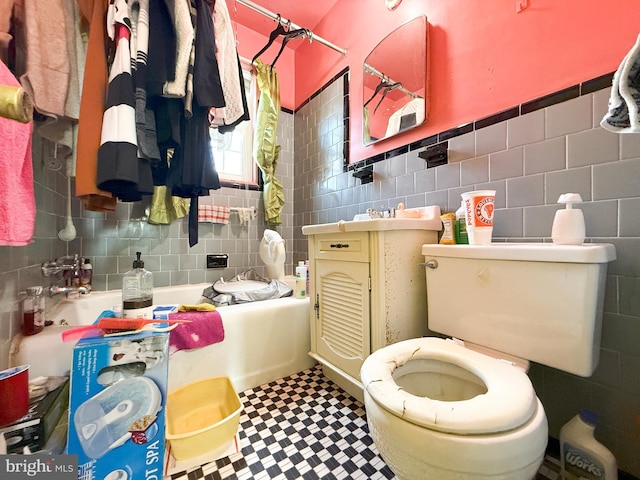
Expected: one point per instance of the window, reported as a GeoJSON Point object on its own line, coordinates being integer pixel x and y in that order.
{"type": "Point", "coordinates": [233, 151]}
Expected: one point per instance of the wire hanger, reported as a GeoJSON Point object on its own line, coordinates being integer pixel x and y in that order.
{"type": "Point", "coordinates": [290, 35]}
{"type": "Point", "coordinates": [387, 89]}
{"type": "Point", "coordinates": [383, 84]}
{"type": "Point", "coordinates": [279, 30]}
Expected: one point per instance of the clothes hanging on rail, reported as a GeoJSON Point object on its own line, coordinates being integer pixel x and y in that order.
{"type": "Point", "coordinates": [165, 208]}
{"type": "Point", "coordinates": [192, 172]}
{"type": "Point", "coordinates": [188, 96]}
{"type": "Point", "coordinates": [162, 46]}
{"type": "Point", "coordinates": [145, 93]}
{"type": "Point", "coordinates": [265, 150]}
{"type": "Point", "coordinates": [50, 64]}
{"type": "Point", "coordinates": [185, 36]}
{"type": "Point", "coordinates": [230, 71]}
{"type": "Point", "coordinates": [145, 118]}
{"type": "Point", "coordinates": [120, 171]}
{"type": "Point", "coordinates": [94, 87]}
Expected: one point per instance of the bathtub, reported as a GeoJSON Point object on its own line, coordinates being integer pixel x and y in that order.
{"type": "Point", "coordinates": [263, 341]}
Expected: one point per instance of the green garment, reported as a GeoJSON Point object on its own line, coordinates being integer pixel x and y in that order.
{"type": "Point", "coordinates": [265, 150]}
{"type": "Point", "coordinates": [166, 208]}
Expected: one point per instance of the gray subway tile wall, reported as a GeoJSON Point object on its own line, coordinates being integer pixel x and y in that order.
{"type": "Point", "coordinates": [529, 159]}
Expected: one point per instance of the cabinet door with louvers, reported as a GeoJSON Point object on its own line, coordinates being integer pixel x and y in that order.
{"type": "Point", "coordinates": [342, 314]}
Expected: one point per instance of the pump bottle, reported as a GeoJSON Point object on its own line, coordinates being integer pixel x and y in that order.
{"type": "Point", "coordinates": [137, 291]}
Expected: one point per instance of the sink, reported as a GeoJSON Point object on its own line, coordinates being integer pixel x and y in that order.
{"type": "Point", "coordinates": [429, 220]}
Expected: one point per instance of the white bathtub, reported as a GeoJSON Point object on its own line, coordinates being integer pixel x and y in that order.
{"type": "Point", "coordinates": [263, 341]}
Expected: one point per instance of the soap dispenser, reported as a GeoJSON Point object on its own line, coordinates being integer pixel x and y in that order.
{"type": "Point", "coordinates": [568, 223]}
{"type": "Point", "coordinates": [137, 291]}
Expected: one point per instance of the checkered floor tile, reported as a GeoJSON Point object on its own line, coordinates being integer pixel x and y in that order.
{"type": "Point", "coordinates": [305, 427]}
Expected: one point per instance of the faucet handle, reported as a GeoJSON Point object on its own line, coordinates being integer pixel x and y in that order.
{"type": "Point", "coordinates": [50, 267]}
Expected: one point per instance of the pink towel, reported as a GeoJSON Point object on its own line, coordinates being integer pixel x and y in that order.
{"type": "Point", "coordinates": [204, 329]}
{"type": "Point", "coordinates": [17, 198]}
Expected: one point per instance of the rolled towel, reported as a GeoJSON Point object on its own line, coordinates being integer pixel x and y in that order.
{"type": "Point", "coordinates": [205, 328]}
{"type": "Point", "coordinates": [623, 115]}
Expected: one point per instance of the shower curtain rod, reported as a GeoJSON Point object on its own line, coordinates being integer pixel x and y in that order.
{"type": "Point", "coordinates": [385, 78]}
{"type": "Point", "coordinates": [284, 21]}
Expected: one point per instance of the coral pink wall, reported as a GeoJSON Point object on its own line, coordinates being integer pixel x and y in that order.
{"type": "Point", "coordinates": [484, 56]}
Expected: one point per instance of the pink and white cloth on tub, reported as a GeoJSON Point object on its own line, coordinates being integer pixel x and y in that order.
{"type": "Point", "coordinates": [205, 328]}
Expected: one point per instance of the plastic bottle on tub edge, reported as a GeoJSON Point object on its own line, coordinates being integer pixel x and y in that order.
{"type": "Point", "coordinates": [137, 291]}
{"type": "Point", "coordinates": [582, 457]}
{"type": "Point", "coordinates": [301, 280]}
{"type": "Point", "coordinates": [462, 238]}
{"type": "Point", "coordinates": [306, 264]}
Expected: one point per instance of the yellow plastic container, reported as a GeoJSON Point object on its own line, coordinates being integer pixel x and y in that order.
{"type": "Point", "coordinates": [202, 416]}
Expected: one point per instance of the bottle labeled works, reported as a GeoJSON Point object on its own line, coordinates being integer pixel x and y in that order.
{"type": "Point", "coordinates": [582, 457]}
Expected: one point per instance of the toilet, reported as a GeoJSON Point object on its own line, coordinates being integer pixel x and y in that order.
{"type": "Point", "coordinates": [272, 254]}
{"type": "Point", "coordinates": [463, 407]}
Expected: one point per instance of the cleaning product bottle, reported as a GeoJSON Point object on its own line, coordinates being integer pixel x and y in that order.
{"type": "Point", "coordinates": [582, 457]}
{"type": "Point", "coordinates": [462, 238]}
{"type": "Point", "coordinates": [568, 224]}
{"type": "Point", "coordinates": [137, 291]}
{"type": "Point", "coordinates": [301, 280]}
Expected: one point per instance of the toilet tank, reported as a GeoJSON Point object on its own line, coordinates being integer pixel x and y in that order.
{"type": "Point", "coordinates": [537, 301]}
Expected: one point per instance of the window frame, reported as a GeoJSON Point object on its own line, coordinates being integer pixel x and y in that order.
{"type": "Point", "coordinates": [250, 167]}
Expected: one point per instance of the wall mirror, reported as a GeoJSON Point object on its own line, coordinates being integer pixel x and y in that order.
{"type": "Point", "coordinates": [395, 82]}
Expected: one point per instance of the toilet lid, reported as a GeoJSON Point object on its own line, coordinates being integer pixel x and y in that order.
{"type": "Point", "coordinates": [509, 402]}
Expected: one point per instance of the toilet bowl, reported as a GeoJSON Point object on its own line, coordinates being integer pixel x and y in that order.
{"type": "Point", "coordinates": [437, 410]}
{"type": "Point", "coordinates": [448, 409]}
{"type": "Point", "coordinates": [272, 254]}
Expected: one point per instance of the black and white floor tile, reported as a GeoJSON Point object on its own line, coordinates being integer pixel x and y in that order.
{"type": "Point", "coordinates": [305, 427]}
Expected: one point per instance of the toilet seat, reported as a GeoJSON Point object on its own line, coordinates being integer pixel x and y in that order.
{"type": "Point", "coordinates": [510, 400]}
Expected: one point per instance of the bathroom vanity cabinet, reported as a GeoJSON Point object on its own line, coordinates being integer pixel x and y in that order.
{"type": "Point", "coordinates": [367, 290]}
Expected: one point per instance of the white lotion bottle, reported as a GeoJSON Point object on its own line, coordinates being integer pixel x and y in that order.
{"type": "Point", "coordinates": [301, 280]}
{"type": "Point", "coordinates": [568, 224]}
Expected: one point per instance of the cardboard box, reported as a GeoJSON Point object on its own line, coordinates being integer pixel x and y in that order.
{"type": "Point", "coordinates": [117, 405]}
{"type": "Point", "coordinates": [161, 312]}
{"type": "Point", "coordinates": [34, 429]}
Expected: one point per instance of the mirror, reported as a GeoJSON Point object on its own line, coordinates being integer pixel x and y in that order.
{"type": "Point", "coordinates": [395, 83]}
